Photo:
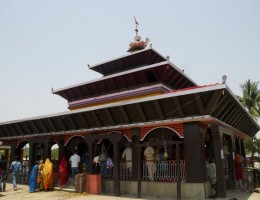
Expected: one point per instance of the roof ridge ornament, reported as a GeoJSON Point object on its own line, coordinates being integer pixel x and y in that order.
{"type": "Point", "coordinates": [138, 44]}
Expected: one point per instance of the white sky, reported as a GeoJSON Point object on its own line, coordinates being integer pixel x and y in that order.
{"type": "Point", "coordinates": [48, 44]}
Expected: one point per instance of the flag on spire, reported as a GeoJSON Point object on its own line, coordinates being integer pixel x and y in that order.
{"type": "Point", "coordinates": [136, 22]}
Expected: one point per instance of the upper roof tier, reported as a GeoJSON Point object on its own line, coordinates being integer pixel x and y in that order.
{"type": "Point", "coordinates": [132, 60]}
{"type": "Point", "coordinates": [139, 73]}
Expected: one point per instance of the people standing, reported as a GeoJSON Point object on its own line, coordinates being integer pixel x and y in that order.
{"type": "Point", "coordinates": [15, 168]}
{"type": "Point", "coordinates": [85, 163]}
{"type": "Point", "coordinates": [239, 169]}
{"type": "Point", "coordinates": [212, 175]}
{"type": "Point", "coordinates": [149, 157]}
{"type": "Point", "coordinates": [63, 170]}
{"type": "Point", "coordinates": [127, 154]}
{"type": "Point", "coordinates": [33, 177]}
{"type": "Point", "coordinates": [74, 162]}
{"type": "Point", "coordinates": [3, 178]}
{"type": "Point", "coordinates": [47, 175]}
{"type": "Point", "coordinates": [40, 175]}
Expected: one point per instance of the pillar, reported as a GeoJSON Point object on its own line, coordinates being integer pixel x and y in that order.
{"type": "Point", "coordinates": [116, 168]}
{"type": "Point", "coordinates": [219, 161]}
{"type": "Point", "coordinates": [194, 153]}
{"type": "Point", "coordinates": [136, 159]}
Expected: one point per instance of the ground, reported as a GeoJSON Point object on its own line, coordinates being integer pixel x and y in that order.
{"type": "Point", "coordinates": [22, 194]}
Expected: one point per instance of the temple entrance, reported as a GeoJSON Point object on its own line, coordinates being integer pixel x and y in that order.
{"type": "Point", "coordinates": [159, 153]}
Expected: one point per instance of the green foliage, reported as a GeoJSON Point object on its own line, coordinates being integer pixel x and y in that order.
{"type": "Point", "coordinates": [252, 146]}
{"type": "Point", "coordinates": [251, 98]}
{"type": "Point", "coordinates": [54, 153]}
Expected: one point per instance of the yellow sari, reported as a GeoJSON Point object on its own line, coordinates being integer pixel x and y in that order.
{"type": "Point", "coordinates": [47, 174]}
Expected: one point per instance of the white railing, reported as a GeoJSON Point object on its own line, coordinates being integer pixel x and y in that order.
{"type": "Point", "coordinates": [163, 170]}
{"type": "Point", "coordinates": [159, 171]}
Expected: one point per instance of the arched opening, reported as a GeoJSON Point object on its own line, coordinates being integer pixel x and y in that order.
{"type": "Point", "coordinates": [22, 151]}
{"type": "Point", "coordinates": [159, 154]}
{"type": "Point", "coordinates": [103, 150]}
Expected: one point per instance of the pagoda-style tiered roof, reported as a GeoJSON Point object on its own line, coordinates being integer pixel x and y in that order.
{"type": "Point", "coordinates": [139, 74]}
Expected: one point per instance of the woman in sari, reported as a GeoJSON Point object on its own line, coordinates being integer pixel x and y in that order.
{"type": "Point", "coordinates": [40, 175]}
{"type": "Point", "coordinates": [33, 178]}
{"type": "Point", "coordinates": [63, 170]}
{"type": "Point", "coordinates": [47, 175]}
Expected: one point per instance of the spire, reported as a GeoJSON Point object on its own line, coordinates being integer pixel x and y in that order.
{"type": "Point", "coordinates": [137, 44]}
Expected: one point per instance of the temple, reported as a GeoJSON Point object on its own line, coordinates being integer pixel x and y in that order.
{"type": "Point", "coordinates": [147, 104]}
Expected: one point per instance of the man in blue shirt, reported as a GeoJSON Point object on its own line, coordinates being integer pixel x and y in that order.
{"type": "Point", "coordinates": [15, 168]}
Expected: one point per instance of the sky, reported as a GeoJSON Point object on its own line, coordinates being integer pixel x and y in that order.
{"type": "Point", "coordinates": [49, 44]}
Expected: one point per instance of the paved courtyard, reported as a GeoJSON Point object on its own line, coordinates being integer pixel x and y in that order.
{"type": "Point", "coordinates": [22, 194]}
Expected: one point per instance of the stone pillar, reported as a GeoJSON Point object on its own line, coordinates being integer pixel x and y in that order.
{"type": "Point", "coordinates": [194, 153]}
{"type": "Point", "coordinates": [219, 161]}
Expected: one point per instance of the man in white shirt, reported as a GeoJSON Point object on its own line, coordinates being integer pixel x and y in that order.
{"type": "Point", "coordinates": [127, 154]}
{"type": "Point", "coordinates": [74, 162]}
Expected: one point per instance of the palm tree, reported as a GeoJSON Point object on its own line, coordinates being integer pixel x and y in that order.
{"type": "Point", "coordinates": [251, 147]}
{"type": "Point", "coordinates": [251, 98]}
{"type": "Point", "coordinates": [251, 101]}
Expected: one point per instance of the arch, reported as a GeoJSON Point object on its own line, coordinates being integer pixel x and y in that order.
{"type": "Point", "coordinates": [161, 127]}
{"type": "Point", "coordinates": [72, 138]}
{"type": "Point", "coordinates": [21, 143]}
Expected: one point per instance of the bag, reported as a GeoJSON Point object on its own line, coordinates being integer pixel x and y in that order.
{"type": "Point", "coordinates": [109, 162]}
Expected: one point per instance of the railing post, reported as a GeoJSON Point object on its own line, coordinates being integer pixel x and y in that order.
{"type": "Point", "coordinates": [178, 171]}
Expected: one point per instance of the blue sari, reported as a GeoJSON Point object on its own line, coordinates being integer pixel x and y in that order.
{"type": "Point", "coordinates": [33, 179]}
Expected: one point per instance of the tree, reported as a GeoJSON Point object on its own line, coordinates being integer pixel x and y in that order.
{"type": "Point", "coordinates": [251, 101]}
{"type": "Point", "coordinates": [251, 147]}
{"type": "Point", "coordinates": [251, 98]}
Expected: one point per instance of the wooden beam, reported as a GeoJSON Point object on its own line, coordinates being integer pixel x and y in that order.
{"type": "Point", "coordinates": [26, 128]}
{"type": "Point", "coordinates": [2, 132]}
{"type": "Point", "coordinates": [42, 125]}
{"type": "Point", "coordinates": [232, 115]}
{"type": "Point", "coordinates": [124, 114]}
{"type": "Point", "coordinates": [212, 103]}
{"type": "Point", "coordinates": [199, 103]}
{"type": "Point", "coordinates": [110, 117]}
{"type": "Point", "coordinates": [52, 125]}
{"type": "Point", "coordinates": [19, 128]}
{"type": "Point", "coordinates": [178, 106]}
{"type": "Point", "coordinates": [227, 110]}
{"type": "Point", "coordinates": [34, 126]}
{"type": "Point", "coordinates": [7, 131]}
{"type": "Point", "coordinates": [158, 109]}
{"type": "Point", "coordinates": [62, 123]}
{"type": "Point", "coordinates": [84, 120]}
{"type": "Point", "coordinates": [218, 111]}
{"type": "Point", "coordinates": [74, 125]}
{"type": "Point", "coordinates": [141, 112]}
{"type": "Point", "coordinates": [96, 119]}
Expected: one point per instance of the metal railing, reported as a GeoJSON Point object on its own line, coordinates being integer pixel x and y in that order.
{"type": "Point", "coordinates": [151, 170]}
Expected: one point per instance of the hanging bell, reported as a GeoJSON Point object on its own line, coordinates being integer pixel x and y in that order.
{"type": "Point", "coordinates": [165, 155]}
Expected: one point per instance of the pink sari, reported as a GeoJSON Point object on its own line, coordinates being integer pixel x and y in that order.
{"type": "Point", "coordinates": [63, 170]}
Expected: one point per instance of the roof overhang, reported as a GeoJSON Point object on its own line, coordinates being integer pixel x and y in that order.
{"type": "Point", "coordinates": [216, 102]}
